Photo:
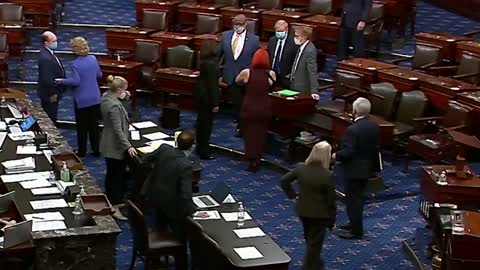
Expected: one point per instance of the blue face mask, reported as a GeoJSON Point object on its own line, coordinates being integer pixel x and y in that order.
{"type": "Point", "coordinates": [280, 35]}
{"type": "Point", "coordinates": [53, 45]}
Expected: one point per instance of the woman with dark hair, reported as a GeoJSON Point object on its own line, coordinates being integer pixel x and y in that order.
{"type": "Point", "coordinates": [206, 96]}
{"type": "Point", "coordinates": [256, 109]}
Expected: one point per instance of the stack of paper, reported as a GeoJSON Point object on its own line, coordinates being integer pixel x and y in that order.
{"type": "Point", "coordinates": [249, 232]}
{"type": "Point", "coordinates": [47, 204]}
{"type": "Point", "coordinates": [25, 177]}
{"type": "Point", "coordinates": [156, 136]}
{"type": "Point", "coordinates": [47, 221]}
{"type": "Point", "coordinates": [154, 145]}
{"type": "Point", "coordinates": [146, 124]}
{"type": "Point", "coordinates": [19, 165]}
{"type": "Point", "coordinates": [45, 191]}
{"type": "Point", "coordinates": [18, 136]}
{"type": "Point", "coordinates": [39, 183]}
{"type": "Point", "coordinates": [248, 253]}
{"type": "Point", "coordinates": [211, 215]}
{"type": "Point", "coordinates": [26, 150]}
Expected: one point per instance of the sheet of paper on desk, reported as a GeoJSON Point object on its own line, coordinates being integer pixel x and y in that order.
{"type": "Point", "coordinates": [3, 136]}
{"type": "Point", "coordinates": [49, 225]}
{"type": "Point", "coordinates": [45, 216]}
{"type": "Point", "coordinates": [157, 143]}
{"type": "Point", "coordinates": [45, 191]}
{"type": "Point", "coordinates": [249, 232]}
{"type": "Point", "coordinates": [47, 204]}
{"type": "Point", "coordinates": [3, 126]}
{"type": "Point", "coordinates": [19, 165]}
{"type": "Point", "coordinates": [130, 128]}
{"type": "Point", "coordinates": [26, 150]}
{"type": "Point", "coordinates": [233, 216]}
{"type": "Point", "coordinates": [15, 111]}
{"type": "Point", "coordinates": [28, 135]}
{"type": "Point", "coordinates": [39, 183]}
{"type": "Point", "coordinates": [156, 136]}
{"type": "Point", "coordinates": [211, 215]}
{"type": "Point", "coordinates": [48, 154]}
{"type": "Point", "coordinates": [135, 135]}
{"type": "Point", "coordinates": [248, 253]}
{"type": "Point", "coordinates": [15, 129]}
{"type": "Point", "coordinates": [24, 177]}
{"type": "Point", "coordinates": [146, 124]}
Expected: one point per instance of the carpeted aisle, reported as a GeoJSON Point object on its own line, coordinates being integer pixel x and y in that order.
{"type": "Point", "coordinates": [390, 216]}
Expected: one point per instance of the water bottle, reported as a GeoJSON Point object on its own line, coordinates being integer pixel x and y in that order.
{"type": "Point", "coordinates": [82, 191]}
{"type": "Point", "coordinates": [3, 102]}
{"type": "Point", "coordinates": [52, 178]}
{"type": "Point", "coordinates": [65, 173]}
{"type": "Point", "coordinates": [78, 210]}
{"type": "Point", "coordinates": [443, 177]}
{"type": "Point", "coordinates": [241, 215]}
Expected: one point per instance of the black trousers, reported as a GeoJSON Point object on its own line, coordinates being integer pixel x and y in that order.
{"type": "Point", "coordinates": [87, 120]}
{"type": "Point", "coordinates": [116, 180]}
{"type": "Point", "coordinates": [51, 108]}
{"type": "Point", "coordinates": [178, 226]}
{"type": "Point", "coordinates": [350, 37]}
{"type": "Point", "coordinates": [354, 189]}
{"type": "Point", "coordinates": [204, 129]}
{"type": "Point", "coordinates": [314, 233]}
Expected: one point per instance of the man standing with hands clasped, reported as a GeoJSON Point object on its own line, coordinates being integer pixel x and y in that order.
{"type": "Point", "coordinates": [354, 18]}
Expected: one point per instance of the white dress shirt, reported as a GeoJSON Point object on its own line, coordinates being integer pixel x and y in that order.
{"type": "Point", "coordinates": [279, 49]}
{"type": "Point", "coordinates": [240, 43]}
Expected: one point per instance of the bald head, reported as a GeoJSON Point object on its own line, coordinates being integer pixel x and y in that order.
{"type": "Point", "coordinates": [49, 39]}
{"type": "Point", "coordinates": [281, 26]}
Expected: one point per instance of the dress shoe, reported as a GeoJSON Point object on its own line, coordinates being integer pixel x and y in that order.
{"type": "Point", "coordinates": [345, 227]}
{"type": "Point", "coordinates": [350, 236]}
{"type": "Point", "coordinates": [207, 157]}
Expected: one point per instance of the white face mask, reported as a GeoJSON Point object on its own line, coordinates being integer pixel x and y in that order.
{"type": "Point", "coordinates": [239, 28]}
{"type": "Point", "coordinates": [122, 95]}
{"type": "Point", "coordinates": [297, 41]}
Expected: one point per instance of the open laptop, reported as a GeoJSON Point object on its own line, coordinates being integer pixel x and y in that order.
{"type": "Point", "coordinates": [6, 200]}
{"type": "Point", "coordinates": [17, 234]}
{"type": "Point", "coordinates": [220, 192]}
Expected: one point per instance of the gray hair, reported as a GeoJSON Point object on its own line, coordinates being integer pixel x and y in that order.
{"type": "Point", "coordinates": [362, 106]}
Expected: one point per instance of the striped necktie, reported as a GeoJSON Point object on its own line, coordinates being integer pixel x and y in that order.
{"type": "Point", "coordinates": [235, 43]}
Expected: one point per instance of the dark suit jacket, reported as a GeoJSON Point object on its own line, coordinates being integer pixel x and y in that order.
{"type": "Point", "coordinates": [232, 67]}
{"type": "Point", "coordinates": [316, 194]}
{"type": "Point", "coordinates": [359, 149]}
{"type": "Point", "coordinates": [48, 71]}
{"type": "Point", "coordinates": [206, 92]}
{"type": "Point", "coordinates": [168, 186]}
{"type": "Point", "coordinates": [355, 11]}
{"type": "Point", "coordinates": [287, 58]}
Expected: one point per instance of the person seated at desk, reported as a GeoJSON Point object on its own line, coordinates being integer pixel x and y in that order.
{"type": "Point", "coordinates": [115, 145]}
{"type": "Point", "coordinates": [256, 110]}
{"type": "Point", "coordinates": [7, 224]}
{"type": "Point", "coordinates": [315, 200]}
{"type": "Point", "coordinates": [168, 187]}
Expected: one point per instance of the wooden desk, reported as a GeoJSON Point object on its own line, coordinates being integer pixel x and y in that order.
{"type": "Point", "coordinates": [367, 67]}
{"type": "Point", "coordinates": [292, 108]}
{"type": "Point", "coordinates": [172, 39]}
{"type": "Point", "coordinates": [178, 85]}
{"type": "Point", "coordinates": [403, 79]}
{"type": "Point", "coordinates": [396, 13]}
{"type": "Point", "coordinates": [128, 69]}
{"type": "Point", "coordinates": [470, 47]}
{"type": "Point", "coordinates": [229, 12]}
{"type": "Point", "coordinates": [270, 17]}
{"type": "Point", "coordinates": [16, 35]}
{"type": "Point", "coordinates": [187, 12]}
{"type": "Point", "coordinates": [168, 6]}
{"type": "Point", "coordinates": [472, 99]}
{"type": "Point", "coordinates": [124, 38]}
{"type": "Point", "coordinates": [439, 90]}
{"type": "Point", "coordinates": [463, 192]}
{"type": "Point", "coordinates": [446, 41]}
{"type": "Point", "coordinates": [41, 13]}
{"type": "Point", "coordinates": [325, 32]}
{"type": "Point", "coordinates": [198, 40]}
{"type": "Point", "coordinates": [342, 120]}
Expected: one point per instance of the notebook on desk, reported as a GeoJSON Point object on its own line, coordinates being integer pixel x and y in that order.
{"type": "Point", "coordinates": [17, 234]}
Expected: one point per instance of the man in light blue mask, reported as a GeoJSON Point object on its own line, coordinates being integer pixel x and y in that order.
{"type": "Point", "coordinates": [49, 69]}
{"type": "Point", "coordinates": [282, 49]}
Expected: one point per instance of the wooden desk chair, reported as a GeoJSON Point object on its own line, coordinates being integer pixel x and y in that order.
{"type": "Point", "coordinates": [206, 24]}
{"type": "Point", "coordinates": [149, 53]}
{"type": "Point", "coordinates": [180, 56]}
{"type": "Point", "coordinates": [323, 7]}
{"type": "Point", "coordinates": [155, 19]}
{"type": "Point", "coordinates": [467, 70]}
{"type": "Point", "coordinates": [150, 245]}
{"type": "Point", "coordinates": [11, 12]}
{"type": "Point", "coordinates": [384, 107]}
{"type": "Point", "coordinates": [411, 106]}
{"type": "Point", "coordinates": [457, 117]}
{"type": "Point", "coordinates": [425, 56]}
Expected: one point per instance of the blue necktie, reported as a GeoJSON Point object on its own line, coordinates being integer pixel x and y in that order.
{"type": "Point", "coordinates": [276, 63]}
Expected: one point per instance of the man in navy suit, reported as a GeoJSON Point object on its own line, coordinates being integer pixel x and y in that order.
{"type": "Point", "coordinates": [237, 48]}
{"type": "Point", "coordinates": [360, 160]}
{"type": "Point", "coordinates": [354, 18]}
{"type": "Point", "coordinates": [49, 69]}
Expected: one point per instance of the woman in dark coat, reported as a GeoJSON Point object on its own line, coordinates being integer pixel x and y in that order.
{"type": "Point", "coordinates": [206, 97]}
{"type": "Point", "coordinates": [256, 111]}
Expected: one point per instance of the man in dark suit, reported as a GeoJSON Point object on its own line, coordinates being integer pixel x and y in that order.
{"type": "Point", "coordinates": [360, 160]}
{"type": "Point", "coordinates": [354, 18]}
{"type": "Point", "coordinates": [237, 48]}
{"type": "Point", "coordinates": [168, 187]}
{"type": "Point", "coordinates": [282, 50]}
{"type": "Point", "coordinates": [304, 75]}
{"type": "Point", "coordinates": [49, 69]}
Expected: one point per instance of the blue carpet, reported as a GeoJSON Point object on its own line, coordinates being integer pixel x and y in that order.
{"type": "Point", "coordinates": [390, 216]}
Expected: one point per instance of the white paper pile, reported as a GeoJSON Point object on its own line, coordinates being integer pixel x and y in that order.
{"type": "Point", "coordinates": [211, 215]}
{"type": "Point", "coordinates": [249, 232]}
{"type": "Point", "coordinates": [47, 204]}
{"type": "Point", "coordinates": [248, 253]}
{"type": "Point", "coordinates": [19, 165]}
{"type": "Point", "coordinates": [25, 177]}
{"type": "Point", "coordinates": [156, 136]}
{"type": "Point", "coordinates": [26, 150]}
{"type": "Point", "coordinates": [146, 124]}
{"type": "Point", "coordinates": [18, 136]}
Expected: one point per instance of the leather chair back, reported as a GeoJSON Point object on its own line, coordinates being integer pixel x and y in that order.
{"type": "Point", "coordinates": [383, 107]}
{"type": "Point", "coordinates": [377, 12]}
{"type": "Point", "coordinates": [269, 4]}
{"type": "Point", "coordinates": [323, 7]}
{"type": "Point", "coordinates": [154, 19]}
{"type": "Point", "coordinates": [136, 219]}
{"type": "Point", "coordinates": [457, 114]}
{"type": "Point", "coordinates": [3, 42]}
{"type": "Point", "coordinates": [208, 24]}
{"type": "Point", "coordinates": [252, 25]}
{"type": "Point", "coordinates": [469, 64]}
{"type": "Point", "coordinates": [180, 56]}
{"type": "Point", "coordinates": [11, 12]}
{"type": "Point", "coordinates": [344, 78]}
{"type": "Point", "coordinates": [425, 54]}
{"type": "Point", "coordinates": [412, 105]}
{"type": "Point", "coordinates": [147, 51]}
{"type": "Point", "coordinates": [227, 2]}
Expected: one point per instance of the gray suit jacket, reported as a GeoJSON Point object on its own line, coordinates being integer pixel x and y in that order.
{"type": "Point", "coordinates": [305, 79]}
{"type": "Point", "coordinates": [114, 143]}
